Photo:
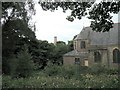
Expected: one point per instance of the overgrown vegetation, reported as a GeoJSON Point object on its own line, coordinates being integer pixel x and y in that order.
{"type": "Point", "coordinates": [17, 32]}
{"type": "Point", "coordinates": [66, 77]}
{"type": "Point", "coordinates": [28, 62]}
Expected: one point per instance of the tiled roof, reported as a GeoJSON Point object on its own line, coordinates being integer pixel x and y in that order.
{"type": "Point", "coordinates": [97, 38]}
{"type": "Point", "coordinates": [76, 53]}
{"type": "Point", "coordinates": [100, 38]}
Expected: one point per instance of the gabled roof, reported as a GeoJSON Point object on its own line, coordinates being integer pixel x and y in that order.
{"type": "Point", "coordinates": [76, 53]}
{"type": "Point", "coordinates": [101, 38]}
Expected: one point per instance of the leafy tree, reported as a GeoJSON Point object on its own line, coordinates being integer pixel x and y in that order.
{"type": "Point", "coordinates": [17, 10]}
{"type": "Point", "coordinates": [42, 52]}
{"type": "Point", "coordinates": [16, 30]}
{"type": "Point", "coordinates": [59, 50]}
{"type": "Point", "coordinates": [70, 45]}
{"type": "Point", "coordinates": [98, 13]}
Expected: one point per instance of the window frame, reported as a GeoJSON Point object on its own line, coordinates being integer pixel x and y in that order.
{"type": "Point", "coordinates": [116, 55]}
{"type": "Point", "coordinates": [97, 57]}
{"type": "Point", "coordinates": [77, 61]}
{"type": "Point", "coordinates": [82, 44]}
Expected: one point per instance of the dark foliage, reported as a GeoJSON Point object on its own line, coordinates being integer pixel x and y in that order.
{"type": "Point", "coordinates": [98, 13]}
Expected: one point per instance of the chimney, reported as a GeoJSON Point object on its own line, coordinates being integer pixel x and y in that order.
{"type": "Point", "coordinates": [55, 40]}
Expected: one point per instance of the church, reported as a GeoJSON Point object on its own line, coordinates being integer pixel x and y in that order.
{"type": "Point", "coordinates": [92, 47]}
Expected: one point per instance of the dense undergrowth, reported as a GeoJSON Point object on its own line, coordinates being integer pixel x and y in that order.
{"type": "Point", "coordinates": [66, 77]}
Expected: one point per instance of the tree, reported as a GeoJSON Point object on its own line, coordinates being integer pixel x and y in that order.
{"type": "Point", "coordinates": [70, 45]}
{"type": "Point", "coordinates": [42, 52]}
{"type": "Point", "coordinates": [58, 52]}
{"type": "Point", "coordinates": [98, 13]}
{"type": "Point", "coordinates": [16, 30]}
{"type": "Point", "coordinates": [25, 64]}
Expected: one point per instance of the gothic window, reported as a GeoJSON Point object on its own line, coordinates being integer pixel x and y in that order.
{"type": "Point", "coordinates": [83, 46]}
{"type": "Point", "coordinates": [77, 60]}
{"type": "Point", "coordinates": [116, 56]}
{"type": "Point", "coordinates": [97, 57]}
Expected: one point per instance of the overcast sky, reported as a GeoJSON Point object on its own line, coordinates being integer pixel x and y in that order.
{"type": "Point", "coordinates": [50, 24]}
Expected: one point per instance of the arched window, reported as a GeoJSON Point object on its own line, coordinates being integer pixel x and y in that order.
{"type": "Point", "coordinates": [83, 46]}
{"type": "Point", "coordinates": [116, 56]}
{"type": "Point", "coordinates": [97, 57]}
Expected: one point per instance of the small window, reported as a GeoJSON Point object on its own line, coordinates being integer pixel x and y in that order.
{"type": "Point", "coordinates": [77, 60]}
{"type": "Point", "coordinates": [83, 46]}
{"type": "Point", "coordinates": [97, 57]}
{"type": "Point", "coordinates": [116, 56]}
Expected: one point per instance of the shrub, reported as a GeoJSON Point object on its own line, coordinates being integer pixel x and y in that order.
{"type": "Point", "coordinates": [13, 66]}
{"type": "Point", "coordinates": [112, 71]}
{"type": "Point", "coordinates": [68, 71]}
{"type": "Point", "coordinates": [52, 70]}
{"type": "Point", "coordinates": [89, 81]}
{"type": "Point", "coordinates": [97, 69]}
{"type": "Point", "coordinates": [65, 77]}
{"type": "Point", "coordinates": [25, 65]}
{"type": "Point", "coordinates": [22, 65]}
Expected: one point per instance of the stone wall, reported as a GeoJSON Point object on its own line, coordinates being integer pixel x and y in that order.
{"type": "Point", "coordinates": [91, 58]}
{"type": "Point", "coordinates": [78, 47]}
{"type": "Point", "coordinates": [106, 56]}
{"type": "Point", "coordinates": [71, 60]}
{"type": "Point", "coordinates": [68, 60]}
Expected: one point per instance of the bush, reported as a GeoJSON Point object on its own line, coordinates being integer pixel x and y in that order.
{"type": "Point", "coordinates": [54, 76]}
{"type": "Point", "coordinates": [41, 81]}
{"type": "Point", "coordinates": [113, 71]}
{"type": "Point", "coordinates": [62, 71]}
{"type": "Point", "coordinates": [97, 69]}
{"type": "Point", "coordinates": [68, 71]}
{"type": "Point", "coordinates": [52, 70]}
{"type": "Point", "coordinates": [25, 64]}
{"type": "Point", "coordinates": [13, 66]}
{"type": "Point", "coordinates": [22, 66]}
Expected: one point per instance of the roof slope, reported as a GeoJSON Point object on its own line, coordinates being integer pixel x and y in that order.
{"type": "Point", "coordinates": [100, 38]}
{"type": "Point", "coordinates": [76, 53]}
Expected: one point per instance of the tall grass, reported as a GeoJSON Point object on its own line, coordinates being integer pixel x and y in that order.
{"type": "Point", "coordinates": [66, 77]}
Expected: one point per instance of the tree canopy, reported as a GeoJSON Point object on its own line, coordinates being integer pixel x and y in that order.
{"type": "Point", "coordinates": [98, 13]}
{"type": "Point", "coordinates": [16, 30]}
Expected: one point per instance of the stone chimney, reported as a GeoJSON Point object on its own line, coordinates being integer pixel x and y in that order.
{"type": "Point", "coordinates": [55, 40]}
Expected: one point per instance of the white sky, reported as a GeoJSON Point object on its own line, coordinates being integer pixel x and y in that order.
{"type": "Point", "coordinates": [50, 24]}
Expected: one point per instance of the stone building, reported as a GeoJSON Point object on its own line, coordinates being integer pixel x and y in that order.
{"type": "Point", "coordinates": [92, 47]}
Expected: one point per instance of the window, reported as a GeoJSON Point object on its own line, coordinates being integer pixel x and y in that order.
{"type": "Point", "coordinates": [82, 45]}
{"type": "Point", "coordinates": [97, 57]}
{"type": "Point", "coordinates": [77, 60]}
{"type": "Point", "coordinates": [116, 56]}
